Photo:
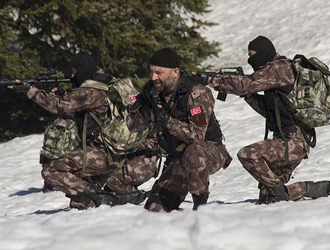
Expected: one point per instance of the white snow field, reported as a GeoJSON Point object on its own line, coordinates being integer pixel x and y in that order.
{"type": "Point", "coordinates": [31, 220]}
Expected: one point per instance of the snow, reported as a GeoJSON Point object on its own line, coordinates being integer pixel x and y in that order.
{"type": "Point", "coordinates": [31, 220]}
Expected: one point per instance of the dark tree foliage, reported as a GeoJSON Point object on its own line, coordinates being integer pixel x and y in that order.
{"type": "Point", "coordinates": [120, 34]}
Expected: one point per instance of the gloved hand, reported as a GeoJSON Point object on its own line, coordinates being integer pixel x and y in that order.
{"type": "Point", "coordinates": [59, 91]}
{"type": "Point", "coordinates": [146, 111]}
{"type": "Point", "coordinates": [145, 96]}
{"type": "Point", "coordinates": [24, 88]}
{"type": "Point", "coordinates": [164, 117]}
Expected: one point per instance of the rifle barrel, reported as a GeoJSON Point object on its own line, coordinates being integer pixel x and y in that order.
{"type": "Point", "coordinates": [10, 82]}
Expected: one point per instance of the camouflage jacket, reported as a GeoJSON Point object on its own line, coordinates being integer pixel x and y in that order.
{"type": "Point", "coordinates": [200, 106]}
{"type": "Point", "coordinates": [76, 101]}
{"type": "Point", "coordinates": [275, 75]}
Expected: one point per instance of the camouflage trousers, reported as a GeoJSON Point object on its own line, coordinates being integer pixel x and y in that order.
{"type": "Point", "coordinates": [188, 174]}
{"type": "Point", "coordinates": [135, 172]}
{"type": "Point", "coordinates": [65, 173]}
{"type": "Point", "coordinates": [265, 160]}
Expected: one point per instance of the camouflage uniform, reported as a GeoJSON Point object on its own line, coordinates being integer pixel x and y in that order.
{"type": "Point", "coordinates": [265, 160]}
{"type": "Point", "coordinates": [65, 173]}
{"type": "Point", "coordinates": [139, 168]}
{"type": "Point", "coordinates": [190, 171]}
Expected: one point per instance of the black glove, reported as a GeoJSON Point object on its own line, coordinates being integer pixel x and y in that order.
{"type": "Point", "coordinates": [146, 111]}
{"type": "Point", "coordinates": [164, 117]}
{"type": "Point", "coordinates": [60, 91]}
{"type": "Point", "coordinates": [145, 96]}
{"type": "Point", "coordinates": [24, 88]}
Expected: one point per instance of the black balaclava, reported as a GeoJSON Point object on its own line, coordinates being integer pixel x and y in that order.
{"type": "Point", "coordinates": [85, 66]}
{"type": "Point", "coordinates": [265, 52]}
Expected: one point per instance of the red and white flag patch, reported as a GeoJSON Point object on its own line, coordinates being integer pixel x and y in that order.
{"type": "Point", "coordinates": [61, 123]}
{"type": "Point", "coordinates": [196, 111]}
{"type": "Point", "coordinates": [133, 98]}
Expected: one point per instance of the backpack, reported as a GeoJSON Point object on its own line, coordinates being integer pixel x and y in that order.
{"type": "Point", "coordinates": [60, 137]}
{"type": "Point", "coordinates": [310, 96]}
{"type": "Point", "coordinates": [116, 136]}
{"type": "Point", "coordinates": [115, 133]}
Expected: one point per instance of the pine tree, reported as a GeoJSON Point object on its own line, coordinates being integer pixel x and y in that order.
{"type": "Point", "coordinates": [121, 35]}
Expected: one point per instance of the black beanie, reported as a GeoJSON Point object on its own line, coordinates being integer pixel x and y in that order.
{"type": "Point", "coordinates": [265, 52]}
{"type": "Point", "coordinates": [166, 58]}
{"type": "Point", "coordinates": [85, 66]}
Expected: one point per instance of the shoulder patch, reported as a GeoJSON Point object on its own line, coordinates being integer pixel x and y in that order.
{"type": "Point", "coordinates": [196, 111]}
{"type": "Point", "coordinates": [133, 98]}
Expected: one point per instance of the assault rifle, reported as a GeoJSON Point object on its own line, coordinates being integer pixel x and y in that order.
{"type": "Point", "coordinates": [46, 80]}
{"type": "Point", "coordinates": [223, 71]}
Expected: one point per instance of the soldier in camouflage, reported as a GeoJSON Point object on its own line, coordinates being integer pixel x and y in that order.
{"type": "Point", "coordinates": [181, 110]}
{"type": "Point", "coordinates": [66, 173]}
{"type": "Point", "coordinates": [272, 161]}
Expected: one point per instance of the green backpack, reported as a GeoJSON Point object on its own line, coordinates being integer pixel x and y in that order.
{"type": "Point", "coordinates": [60, 138]}
{"type": "Point", "coordinates": [310, 96]}
{"type": "Point", "coordinates": [115, 133]}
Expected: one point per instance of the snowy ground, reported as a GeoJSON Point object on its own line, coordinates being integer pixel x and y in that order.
{"type": "Point", "coordinates": [32, 220]}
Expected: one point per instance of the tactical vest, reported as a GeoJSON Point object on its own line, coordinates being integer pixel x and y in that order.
{"type": "Point", "coordinates": [179, 111]}
{"type": "Point", "coordinates": [285, 111]}
{"type": "Point", "coordinates": [273, 98]}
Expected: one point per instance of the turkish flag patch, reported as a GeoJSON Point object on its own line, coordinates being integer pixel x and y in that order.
{"type": "Point", "coordinates": [133, 98]}
{"type": "Point", "coordinates": [196, 111]}
{"type": "Point", "coordinates": [61, 123]}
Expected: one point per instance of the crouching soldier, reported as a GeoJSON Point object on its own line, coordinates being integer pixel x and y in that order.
{"type": "Point", "coordinates": [181, 109]}
{"type": "Point", "coordinates": [272, 161]}
{"type": "Point", "coordinates": [78, 173]}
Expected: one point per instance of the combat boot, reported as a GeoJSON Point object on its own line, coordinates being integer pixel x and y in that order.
{"type": "Point", "coordinates": [199, 200]}
{"type": "Point", "coordinates": [318, 189]}
{"type": "Point", "coordinates": [81, 202]}
{"type": "Point", "coordinates": [98, 196]}
{"type": "Point", "coordinates": [275, 194]}
{"type": "Point", "coordinates": [135, 197]}
{"type": "Point", "coordinates": [263, 194]}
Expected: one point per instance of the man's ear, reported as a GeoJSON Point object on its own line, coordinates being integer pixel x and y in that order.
{"type": "Point", "coordinates": [176, 72]}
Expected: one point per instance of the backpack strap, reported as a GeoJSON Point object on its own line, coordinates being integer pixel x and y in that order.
{"type": "Point", "coordinates": [279, 126]}
{"type": "Point", "coordinates": [111, 162]}
{"type": "Point", "coordinates": [84, 145]}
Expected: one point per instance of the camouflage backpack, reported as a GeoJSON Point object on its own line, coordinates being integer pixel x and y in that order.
{"type": "Point", "coordinates": [115, 133]}
{"type": "Point", "coordinates": [310, 96]}
{"type": "Point", "coordinates": [60, 138]}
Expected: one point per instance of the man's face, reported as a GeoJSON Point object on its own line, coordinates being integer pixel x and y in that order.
{"type": "Point", "coordinates": [164, 78]}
